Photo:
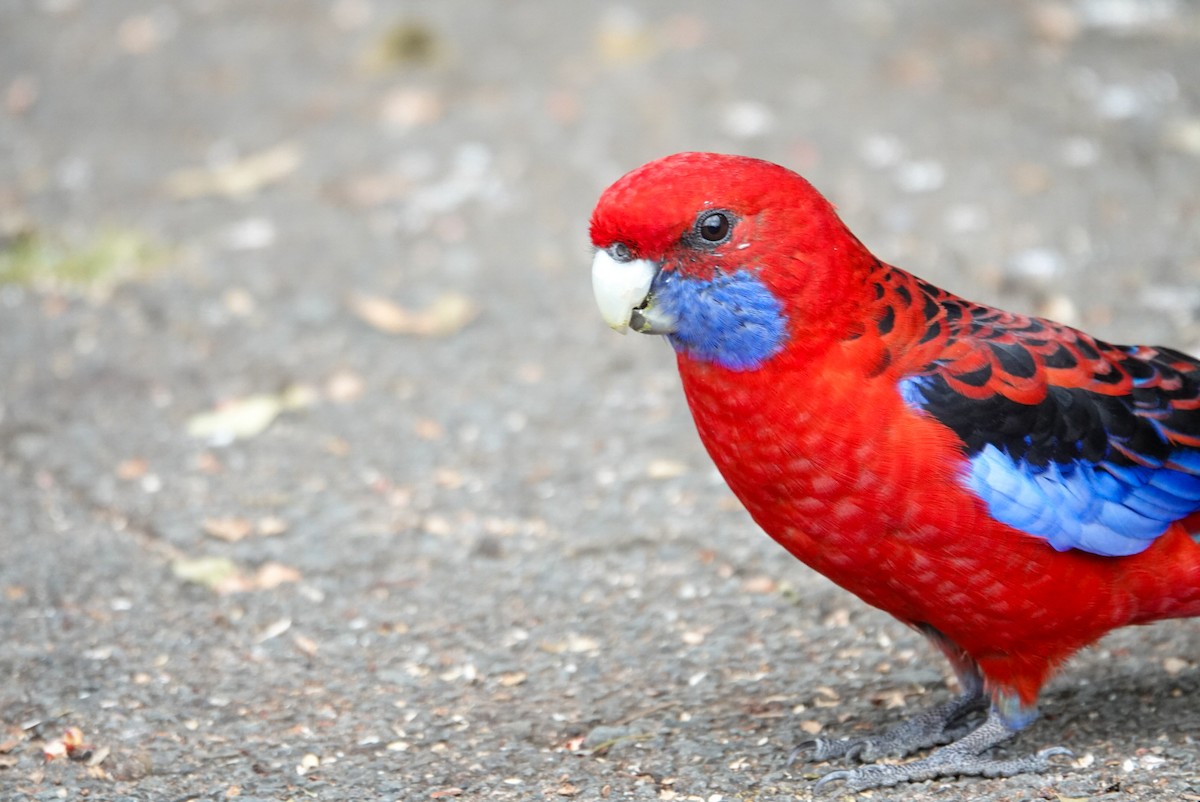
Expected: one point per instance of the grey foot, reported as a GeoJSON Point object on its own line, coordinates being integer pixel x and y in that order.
{"type": "Point", "coordinates": [943, 724]}
{"type": "Point", "coordinates": [963, 758]}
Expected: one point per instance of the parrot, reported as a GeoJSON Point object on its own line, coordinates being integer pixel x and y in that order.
{"type": "Point", "coordinates": [1008, 486]}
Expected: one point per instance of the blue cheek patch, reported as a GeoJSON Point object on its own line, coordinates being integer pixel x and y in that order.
{"type": "Point", "coordinates": [730, 320]}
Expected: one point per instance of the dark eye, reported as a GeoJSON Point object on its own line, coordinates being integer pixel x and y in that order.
{"type": "Point", "coordinates": [714, 227]}
{"type": "Point", "coordinates": [620, 252]}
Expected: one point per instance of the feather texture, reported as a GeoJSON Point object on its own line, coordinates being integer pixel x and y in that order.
{"type": "Point", "coordinates": [1088, 445]}
{"type": "Point", "coordinates": [1009, 483]}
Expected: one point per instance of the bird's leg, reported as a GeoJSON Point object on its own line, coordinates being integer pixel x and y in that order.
{"type": "Point", "coordinates": [937, 725]}
{"type": "Point", "coordinates": [943, 724]}
{"type": "Point", "coordinates": [950, 723]}
{"type": "Point", "coordinates": [962, 758]}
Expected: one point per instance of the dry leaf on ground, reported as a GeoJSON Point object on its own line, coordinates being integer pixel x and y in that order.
{"type": "Point", "coordinates": [211, 572]}
{"type": "Point", "coordinates": [222, 575]}
{"type": "Point", "coordinates": [572, 644]}
{"type": "Point", "coordinates": [246, 417]}
{"type": "Point", "coordinates": [447, 314]}
{"type": "Point", "coordinates": [272, 575]}
{"type": "Point", "coordinates": [237, 179]}
{"type": "Point", "coordinates": [231, 529]}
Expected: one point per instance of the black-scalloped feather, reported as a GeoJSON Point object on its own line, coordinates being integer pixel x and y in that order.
{"type": "Point", "coordinates": [1085, 444]}
{"type": "Point", "coordinates": [1044, 392]}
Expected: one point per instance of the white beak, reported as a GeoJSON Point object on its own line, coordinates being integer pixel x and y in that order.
{"type": "Point", "coordinates": [620, 287]}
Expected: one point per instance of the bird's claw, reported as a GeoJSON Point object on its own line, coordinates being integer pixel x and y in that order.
{"type": "Point", "coordinates": [834, 776]}
{"type": "Point", "coordinates": [966, 757]}
{"type": "Point", "coordinates": [800, 748]}
{"type": "Point", "coordinates": [1054, 751]}
{"type": "Point", "coordinates": [821, 749]}
{"type": "Point", "coordinates": [857, 750]}
{"type": "Point", "coordinates": [941, 763]}
{"type": "Point", "coordinates": [938, 725]}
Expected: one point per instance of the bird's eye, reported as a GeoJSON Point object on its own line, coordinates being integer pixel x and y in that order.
{"type": "Point", "coordinates": [714, 227]}
{"type": "Point", "coordinates": [620, 252]}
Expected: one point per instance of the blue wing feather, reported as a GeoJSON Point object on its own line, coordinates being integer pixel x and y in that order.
{"type": "Point", "coordinates": [1082, 505]}
{"type": "Point", "coordinates": [1092, 446]}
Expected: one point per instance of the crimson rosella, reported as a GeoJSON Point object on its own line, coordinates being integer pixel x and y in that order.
{"type": "Point", "coordinates": [1007, 485]}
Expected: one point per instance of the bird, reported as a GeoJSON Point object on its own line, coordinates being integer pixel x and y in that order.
{"type": "Point", "coordinates": [1009, 486]}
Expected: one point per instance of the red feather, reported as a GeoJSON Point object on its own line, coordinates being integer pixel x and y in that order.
{"type": "Point", "coordinates": [831, 462]}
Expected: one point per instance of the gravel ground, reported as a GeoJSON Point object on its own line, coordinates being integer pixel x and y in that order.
{"type": "Point", "coordinates": [323, 478]}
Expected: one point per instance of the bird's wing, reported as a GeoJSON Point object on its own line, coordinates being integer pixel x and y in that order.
{"type": "Point", "coordinates": [1088, 445]}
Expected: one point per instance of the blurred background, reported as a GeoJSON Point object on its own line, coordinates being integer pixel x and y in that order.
{"type": "Point", "coordinates": [322, 476]}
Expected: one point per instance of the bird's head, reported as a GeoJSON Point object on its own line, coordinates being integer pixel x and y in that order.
{"type": "Point", "coordinates": [734, 259]}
